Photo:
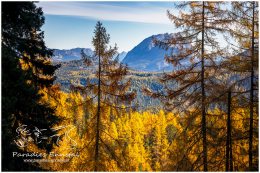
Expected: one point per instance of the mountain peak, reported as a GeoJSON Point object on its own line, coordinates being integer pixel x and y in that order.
{"type": "Point", "coordinates": [146, 56]}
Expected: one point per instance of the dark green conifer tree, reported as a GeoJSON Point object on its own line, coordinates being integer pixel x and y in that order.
{"type": "Point", "coordinates": [23, 45]}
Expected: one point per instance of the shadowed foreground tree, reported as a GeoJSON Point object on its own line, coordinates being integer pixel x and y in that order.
{"type": "Point", "coordinates": [26, 68]}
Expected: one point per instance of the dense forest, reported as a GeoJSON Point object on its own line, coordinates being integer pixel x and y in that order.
{"type": "Point", "coordinates": [103, 116]}
{"type": "Point", "coordinates": [76, 73]}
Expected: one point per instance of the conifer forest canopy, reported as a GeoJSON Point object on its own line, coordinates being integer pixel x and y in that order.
{"type": "Point", "coordinates": [100, 113]}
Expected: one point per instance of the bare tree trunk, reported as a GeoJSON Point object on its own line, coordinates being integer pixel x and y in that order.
{"type": "Point", "coordinates": [229, 155]}
{"type": "Point", "coordinates": [98, 117]}
{"type": "Point", "coordinates": [252, 95]}
{"type": "Point", "coordinates": [203, 123]}
{"type": "Point", "coordinates": [228, 136]}
{"type": "Point", "coordinates": [230, 141]}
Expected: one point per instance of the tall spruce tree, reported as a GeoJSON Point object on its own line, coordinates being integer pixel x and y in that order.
{"type": "Point", "coordinates": [25, 69]}
{"type": "Point", "coordinates": [110, 89]}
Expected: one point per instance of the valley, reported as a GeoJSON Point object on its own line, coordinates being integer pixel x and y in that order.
{"type": "Point", "coordinates": [76, 73]}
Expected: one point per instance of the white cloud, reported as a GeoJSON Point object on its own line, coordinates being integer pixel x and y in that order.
{"type": "Point", "coordinates": [107, 12]}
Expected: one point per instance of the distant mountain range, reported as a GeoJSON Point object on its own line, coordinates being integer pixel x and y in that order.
{"type": "Point", "coordinates": [143, 57]}
{"type": "Point", "coordinates": [65, 55]}
{"type": "Point", "coordinates": [69, 54]}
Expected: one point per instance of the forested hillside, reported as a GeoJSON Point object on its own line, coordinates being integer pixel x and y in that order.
{"type": "Point", "coordinates": [97, 114]}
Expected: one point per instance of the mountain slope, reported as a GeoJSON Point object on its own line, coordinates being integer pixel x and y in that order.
{"type": "Point", "coordinates": [148, 57]}
{"type": "Point", "coordinates": [121, 56]}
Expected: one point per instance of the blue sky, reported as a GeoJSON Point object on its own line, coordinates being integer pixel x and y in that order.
{"type": "Point", "coordinates": [71, 24]}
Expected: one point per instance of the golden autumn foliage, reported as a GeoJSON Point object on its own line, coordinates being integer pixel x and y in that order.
{"type": "Point", "coordinates": [141, 141]}
{"type": "Point", "coordinates": [209, 120]}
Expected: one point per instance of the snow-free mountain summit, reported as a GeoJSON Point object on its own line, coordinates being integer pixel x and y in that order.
{"type": "Point", "coordinates": [146, 56]}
